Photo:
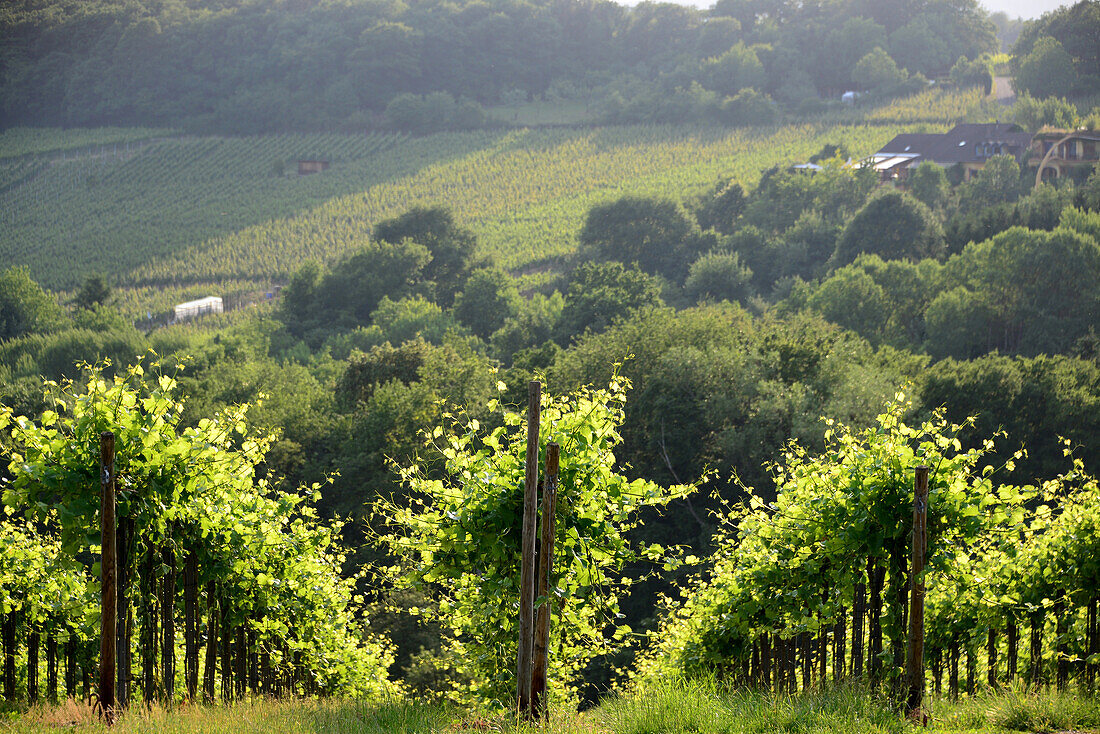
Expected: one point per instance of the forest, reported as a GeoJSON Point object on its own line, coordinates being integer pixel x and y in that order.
{"type": "Point", "coordinates": [246, 66]}
{"type": "Point", "coordinates": [743, 361]}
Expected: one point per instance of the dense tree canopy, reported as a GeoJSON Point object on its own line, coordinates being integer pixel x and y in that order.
{"type": "Point", "coordinates": [242, 66]}
{"type": "Point", "coordinates": [894, 226]}
{"type": "Point", "coordinates": [24, 306]}
{"type": "Point", "coordinates": [656, 235]}
{"type": "Point", "coordinates": [1059, 49]}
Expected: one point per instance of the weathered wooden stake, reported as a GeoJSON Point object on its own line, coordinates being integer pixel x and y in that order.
{"type": "Point", "coordinates": [1093, 645]}
{"type": "Point", "coordinates": [1035, 675]}
{"type": "Point", "coordinates": [876, 575]}
{"type": "Point", "coordinates": [122, 631]}
{"type": "Point", "coordinates": [70, 665]}
{"type": "Point", "coordinates": [839, 633]}
{"type": "Point", "coordinates": [191, 623]}
{"type": "Point", "coordinates": [1012, 633]}
{"type": "Point", "coordinates": [33, 640]}
{"type": "Point", "coordinates": [971, 668]}
{"type": "Point", "coordinates": [755, 664]}
{"type": "Point", "coordinates": [914, 667]}
{"type": "Point", "coordinates": [266, 680]}
{"type": "Point", "coordinates": [859, 604]}
{"type": "Point", "coordinates": [937, 669]}
{"type": "Point", "coordinates": [822, 653]}
{"type": "Point", "coordinates": [546, 567]}
{"type": "Point", "coordinates": [805, 649]}
{"type": "Point", "coordinates": [253, 662]}
{"type": "Point", "coordinates": [210, 670]}
{"type": "Point", "coordinates": [991, 658]}
{"type": "Point", "coordinates": [51, 667]}
{"type": "Point", "coordinates": [168, 624]}
{"type": "Point", "coordinates": [1061, 643]}
{"type": "Point", "coordinates": [525, 655]}
{"type": "Point", "coordinates": [765, 661]}
{"type": "Point", "coordinates": [240, 672]}
{"type": "Point", "coordinates": [108, 577]}
{"type": "Point", "coordinates": [953, 668]}
{"type": "Point", "coordinates": [227, 667]}
{"type": "Point", "coordinates": [792, 665]}
{"type": "Point", "coordinates": [148, 625]}
{"type": "Point", "coordinates": [776, 673]}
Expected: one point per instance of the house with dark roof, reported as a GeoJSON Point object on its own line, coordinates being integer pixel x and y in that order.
{"type": "Point", "coordinates": [1056, 153]}
{"type": "Point", "coordinates": [968, 145]}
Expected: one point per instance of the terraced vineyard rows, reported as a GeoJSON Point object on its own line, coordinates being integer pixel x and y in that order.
{"type": "Point", "coordinates": [20, 141]}
{"type": "Point", "coordinates": [189, 215]}
{"type": "Point", "coordinates": [110, 211]}
{"type": "Point", "coordinates": [525, 195]}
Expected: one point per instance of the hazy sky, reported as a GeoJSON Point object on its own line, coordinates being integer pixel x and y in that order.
{"type": "Point", "coordinates": [1022, 8]}
{"type": "Point", "coordinates": [1014, 8]}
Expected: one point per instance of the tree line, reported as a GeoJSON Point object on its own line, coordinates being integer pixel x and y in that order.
{"type": "Point", "coordinates": [247, 67]}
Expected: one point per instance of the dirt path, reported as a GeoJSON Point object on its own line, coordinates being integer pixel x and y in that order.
{"type": "Point", "coordinates": [1003, 91]}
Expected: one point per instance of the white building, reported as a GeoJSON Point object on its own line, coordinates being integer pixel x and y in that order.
{"type": "Point", "coordinates": [194, 309]}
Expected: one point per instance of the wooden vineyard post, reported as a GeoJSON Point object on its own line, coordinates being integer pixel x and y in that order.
{"type": "Point", "coordinates": [876, 575]}
{"type": "Point", "coordinates": [253, 661]}
{"type": "Point", "coordinates": [755, 664]}
{"type": "Point", "coordinates": [1061, 645]}
{"type": "Point", "coordinates": [227, 669]}
{"type": "Point", "coordinates": [51, 667]}
{"type": "Point", "coordinates": [70, 666]}
{"type": "Point", "coordinates": [191, 623]}
{"type": "Point", "coordinates": [953, 668]}
{"type": "Point", "coordinates": [839, 633]}
{"type": "Point", "coordinates": [806, 652]}
{"type": "Point", "coordinates": [122, 605]}
{"type": "Point", "coordinates": [527, 549]}
{"type": "Point", "coordinates": [148, 626]}
{"type": "Point", "coordinates": [33, 640]}
{"type": "Point", "coordinates": [914, 668]}
{"type": "Point", "coordinates": [108, 577]}
{"type": "Point", "coordinates": [546, 567]}
{"type": "Point", "coordinates": [1092, 638]}
{"type": "Point", "coordinates": [1035, 675]}
{"type": "Point", "coordinates": [971, 667]}
{"type": "Point", "coordinates": [266, 681]}
{"type": "Point", "coordinates": [766, 661]}
{"type": "Point", "coordinates": [937, 669]}
{"type": "Point", "coordinates": [991, 658]}
{"type": "Point", "coordinates": [9, 655]}
{"type": "Point", "coordinates": [859, 602]}
{"type": "Point", "coordinates": [168, 623]}
{"type": "Point", "coordinates": [210, 670]}
{"type": "Point", "coordinates": [240, 672]}
{"type": "Point", "coordinates": [1012, 632]}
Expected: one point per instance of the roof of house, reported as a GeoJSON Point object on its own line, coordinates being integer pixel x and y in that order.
{"type": "Point", "coordinates": [957, 145]}
{"type": "Point", "coordinates": [1053, 135]}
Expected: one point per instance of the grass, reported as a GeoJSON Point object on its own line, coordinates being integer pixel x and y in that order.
{"type": "Point", "coordinates": [667, 707]}
{"type": "Point", "coordinates": [1018, 710]}
{"type": "Point", "coordinates": [254, 717]}
{"type": "Point", "coordinates": [676, 708]}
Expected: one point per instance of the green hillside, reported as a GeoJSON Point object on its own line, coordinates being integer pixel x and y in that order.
{"type": "Point", "coordinates": [169, 217]}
